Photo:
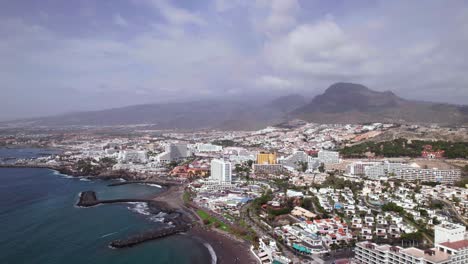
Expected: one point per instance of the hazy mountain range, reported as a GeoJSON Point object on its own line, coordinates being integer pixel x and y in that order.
{"type": "Point", "coordinates": [340, 103]}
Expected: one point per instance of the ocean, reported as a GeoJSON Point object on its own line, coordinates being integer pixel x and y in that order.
{"type": "Point", "coordinates": [39, 222]}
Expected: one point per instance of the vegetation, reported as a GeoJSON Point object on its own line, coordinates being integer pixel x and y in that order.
{"type": "Point", "coordinates": [224, 143]}
{"type": "Point", "coordinates": [307, 204]}
{"type": "Point", "coordinates": [210, 220]}
{"type": "Point", "coordinates": [187, 197]}
{"type": "Point", "coordinates": [436, 205]}
{"type": "Point", "coordinates": [401, 147]}
{"type": "Point", "coordinates": [92, 167]}
{"type": "Point", "coordinates": [244, 168]}
{"type": "Point", "coordinates": [418, 236]}
{"type": "Point", "coordinates": [258, 202]}
{"type": "Point", "coordinates": [319, 207]}
{"type": "Point", "coordinates": [321, 168]}
{"type": "Point", "coordinates": [340, 183]}
{"type": "Point", "coordinates": [302, 166]}
{"type": "Point", "coordinates": [462, 183]}
{"type": "Point", "coordinates": [391, 206]}
{"type": "Point", "coordinates": [432, 184]}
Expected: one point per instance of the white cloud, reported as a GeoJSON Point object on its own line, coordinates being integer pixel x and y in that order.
{"type": "Point", "coordinates": [175, 15]}
{"type": "Point", "coordinates": [119, 20]}
{"type": "Point", "coordinates": [268, 81]}
{"type": "Point", "coordinates": [280, 15]}
{"type": "Point", "coordinates": [322, 48]}
{"type": "Point", "coordinates": [176, 51]}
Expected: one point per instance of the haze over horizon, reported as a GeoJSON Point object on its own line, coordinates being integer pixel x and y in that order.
{"type": "Point", "coordinates": [62, 56]}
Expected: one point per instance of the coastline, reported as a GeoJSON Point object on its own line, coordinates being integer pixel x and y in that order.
{"type": "Point", "coordinates": [225, 248]}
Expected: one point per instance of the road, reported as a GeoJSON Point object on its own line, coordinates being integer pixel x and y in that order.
{"type": "Point", "coordinates": [454, 210]}
{"type": "Point", "coordinates": [289, 253]}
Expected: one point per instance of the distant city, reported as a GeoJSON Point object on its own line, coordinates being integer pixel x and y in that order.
{"type": "Point", "coordinates": [297, 192]}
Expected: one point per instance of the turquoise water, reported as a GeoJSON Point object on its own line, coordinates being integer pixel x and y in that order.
{"type": "Point", "coordinates": [39, 223]}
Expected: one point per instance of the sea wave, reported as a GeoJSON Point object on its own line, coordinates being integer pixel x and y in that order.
{"type": "Point", "coordinates": [152, 184]}
{"type": "Point", "coordinates": [214, 259]}
{"type": "Point", "coordinates": [110, 234]}
{"type": "Point", "coordinates": [143, 209]}
{"type": "Point", "coordinates": [84, 179]}
{"type": "Point", "coordinates": [140, 207]}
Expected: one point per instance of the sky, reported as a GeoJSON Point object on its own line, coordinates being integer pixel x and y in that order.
{"type": "Point", "coordinates": [60, 56]}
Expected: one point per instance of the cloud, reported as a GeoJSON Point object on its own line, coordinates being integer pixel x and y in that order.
{"type": "Point", "coordinates": [273, 82]}
{"type": "Point", "coordinates": [316, 49]}
{"type": "Point", "coordinates": [175, 15]}
{"type": "Point", "coordinates": [182, 50]}
{"type": "Point", "coordinates": [119, 20]}
{"type": "Point", "coordinates": [280, 15]}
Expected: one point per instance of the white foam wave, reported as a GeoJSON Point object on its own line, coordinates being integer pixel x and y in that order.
{"type": "Point", "coordinates": [110, 234]}
{"type": "Point", "coordinates": [140, 207]}
{"type": "Point", "coordinates": [159, 218]}
{"type": "Point", "coordinates": [152, 184]}
{"type": "Point", "coordinates": [84, 179]}
{"type": "Point", "coordinates": [214, 259]}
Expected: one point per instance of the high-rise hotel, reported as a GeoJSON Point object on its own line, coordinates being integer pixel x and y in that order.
{"type": "Point", "coordinates": [221, 171]}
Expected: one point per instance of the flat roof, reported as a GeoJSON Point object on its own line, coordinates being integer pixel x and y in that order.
{"type": "Point", "coordinates": [457, 245]}
{"type": "Point", "coordinates": [438, 256]}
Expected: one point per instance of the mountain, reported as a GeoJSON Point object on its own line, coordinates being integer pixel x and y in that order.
{"type": "Point", "coordinates": [355, 103]}
{"type": "Point", "coordinates": [247, 114]}
{"type": "Point", "coordinates": [340, 103]}
{"type": "Point", "coordinates": [287, 103]}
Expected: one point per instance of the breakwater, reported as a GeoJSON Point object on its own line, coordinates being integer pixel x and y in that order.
{"type": "Point", "coordinates": [147, 236]}
{"type": "Point", "coordinates": [177, 219]}
{"type": "Point", "coordinates": [89, 198]}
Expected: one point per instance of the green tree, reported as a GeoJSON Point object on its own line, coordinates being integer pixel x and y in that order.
{"type": "Point", "coordinates": [302, 166]}
{"type": "Point", "coordinates": [321, 168]}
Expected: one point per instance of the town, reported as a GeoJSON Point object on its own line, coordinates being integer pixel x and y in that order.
{"type": "Point", "coordinates": [298, 192]}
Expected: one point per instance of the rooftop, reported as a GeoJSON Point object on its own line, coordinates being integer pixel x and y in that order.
{"type": "Point", "coordinates": [436, 256]}
{"type": "Point", "coordinates": [450, 226]}
{"type": "Point", "coordinates": [457, 245]}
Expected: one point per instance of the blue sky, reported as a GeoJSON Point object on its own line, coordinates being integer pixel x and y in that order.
{"type": "Point", "coordinates": [59, 56]}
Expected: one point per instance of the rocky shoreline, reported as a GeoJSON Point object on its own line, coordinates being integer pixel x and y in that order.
{"type": "Point", "coordinates": [175, 219]}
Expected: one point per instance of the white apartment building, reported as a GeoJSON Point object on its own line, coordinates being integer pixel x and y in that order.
{"type": "Point", "coordinates": [329, 157]}
{"type": "Point", "coordinates": [429, 175]}
{"type": "Point", "coordinates": [200, 147]}
{"type": "Point", "coordinates": [294, 159]}
{"type": "Point", "coordinates": [448, 232]}
{"type": "Point", "coordinates": [221, 171]}
{"type": "Point", "coordinates": [312, 163]}
{"type": "Point", "coordinates": [174, 152]}
{"type": "Point", "coordinates": [450, 247]}
{"type": "Point", "coordinates": [450, 238]}
{"type": "Point", "coordinates": [137, 156]}
{"type": "Point", "coordinates": [178, 151]}
{"type": "Point", "coordinates": [359, 168]}
{"type": "Point", "coordinates": [371, 253]}
{"type": "Point", "coordinates": [383, 169]}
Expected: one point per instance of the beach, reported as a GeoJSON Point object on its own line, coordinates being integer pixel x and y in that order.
{"type": "Point", "coordinates": [227, 250]}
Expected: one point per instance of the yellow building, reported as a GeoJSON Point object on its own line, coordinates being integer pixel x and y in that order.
{"type": "Point", "coordinates": [266, 158]}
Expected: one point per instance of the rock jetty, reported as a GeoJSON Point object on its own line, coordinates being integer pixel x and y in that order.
{"type": "Point", "coordinates": [147, 236]}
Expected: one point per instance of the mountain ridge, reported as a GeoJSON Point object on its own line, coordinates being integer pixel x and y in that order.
{"type": "Point", "coordinates": [356, 103]}
{"type": "Point", "coordinates": [340, 103]}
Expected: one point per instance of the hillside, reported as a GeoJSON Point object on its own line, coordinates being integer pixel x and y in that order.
{"type": "Point", "coordinates": [340, 103]}
{"type": "Point", "coordinates": [355, 103]}
{"type": "Point", "coordinates": [249, 114]}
